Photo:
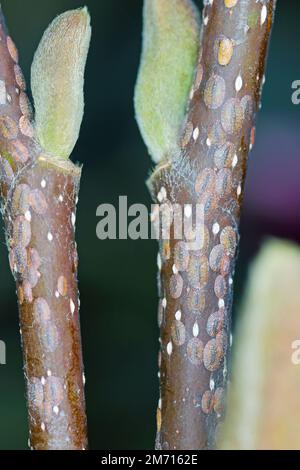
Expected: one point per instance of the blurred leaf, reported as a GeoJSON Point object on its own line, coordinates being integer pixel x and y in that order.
{"type": "Point", "coordinates": [263, 406]}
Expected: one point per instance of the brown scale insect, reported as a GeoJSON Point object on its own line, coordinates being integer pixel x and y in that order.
{"type": "Point", "coordinates": [62, 286]}
{"type": "Point", "coordinates": [223, 182]}
{"type": "Point", "coordinates": [25, 105]}
{"type": "Point", "coordinates": [38, 201]}
{"type": "Point", "coordinates": [26, 126]}
{"type": "Point", "coordinates": [178, 333]}
{"type": "Point", "coordinates": [31, 275]}
{"type": "Point", "coordinates": [176, 286]}
{"type": "Point", "coordinates": [34, 259]}
{"type": "Point", "coordinates": [212, 355]}
{"type": "Point", "coordinates": [224, 156]}
{"type": "Point", "coordinates": [20, 200]}
{"type": "Point", "coordinates": [219, 401]}
{"type": "Point", "coordinates": [207, 402]}
{"type": "Point", "coordinates": [214, 92]}
{"type": "Point", "coordinates": [216, 257]}
{"type": "Point", "coordinates": [181, 256]}
{"type": "Point", "coordinates": [12, 49]}
{"type": "Point", "coordinates": [21, 231]}
{"type": "Point", "coordinates": [225, 51]}
{"type": "Point", "coordinates": [228, 239]}
{"type": "Point", "coordinates": [196, 300]}
{"type": "Point", "coordinates": [8, 128]}
{"type": "Point", "coordinates": [215, 323]}
{"type": "Point", "coordinates": [18, 259]}
{"type": "Point", "coordinates": [232, 116]}
{"type": "Point", "coordinates": [195, 351]}
{"type": "Point", "coordinates": [19, 77]}
{"type": "Point", "coordinates": [220, 286]}
{"type": "Point", "coordinates": [6, 172]}
{"type": "Point", "coordinates": [18, 151]}
{"type": "Point", "coordinates": [26, 291]}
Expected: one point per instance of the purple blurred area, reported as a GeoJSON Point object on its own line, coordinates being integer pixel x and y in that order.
{"type": "Point", "coordinates": [272, 193]}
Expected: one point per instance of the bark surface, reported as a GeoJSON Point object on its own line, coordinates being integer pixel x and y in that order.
{"type": "Point", "coordinates": [209, 170]}
{"type": "Point", "coordinates": [39, 195]}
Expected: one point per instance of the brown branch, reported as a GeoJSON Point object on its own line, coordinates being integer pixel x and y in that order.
{"type": "Point", "coordinates": [39, 197]}
{"type": "Point", "coordinates": [196, 286]}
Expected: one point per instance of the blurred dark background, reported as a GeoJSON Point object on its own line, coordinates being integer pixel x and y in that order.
{"type": "Point", "coordinates": [118, 278]}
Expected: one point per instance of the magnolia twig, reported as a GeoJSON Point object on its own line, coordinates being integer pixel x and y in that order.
{"type": "Point", "coordinates": [207, 166]}
{"type": "Point", "coordinates": [39, 189]}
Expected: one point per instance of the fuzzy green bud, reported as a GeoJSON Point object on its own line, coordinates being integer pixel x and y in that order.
{"type": "Point", "coordinates": [169, 56]}
{"type": "Point", "coordinates": [57, 79]}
